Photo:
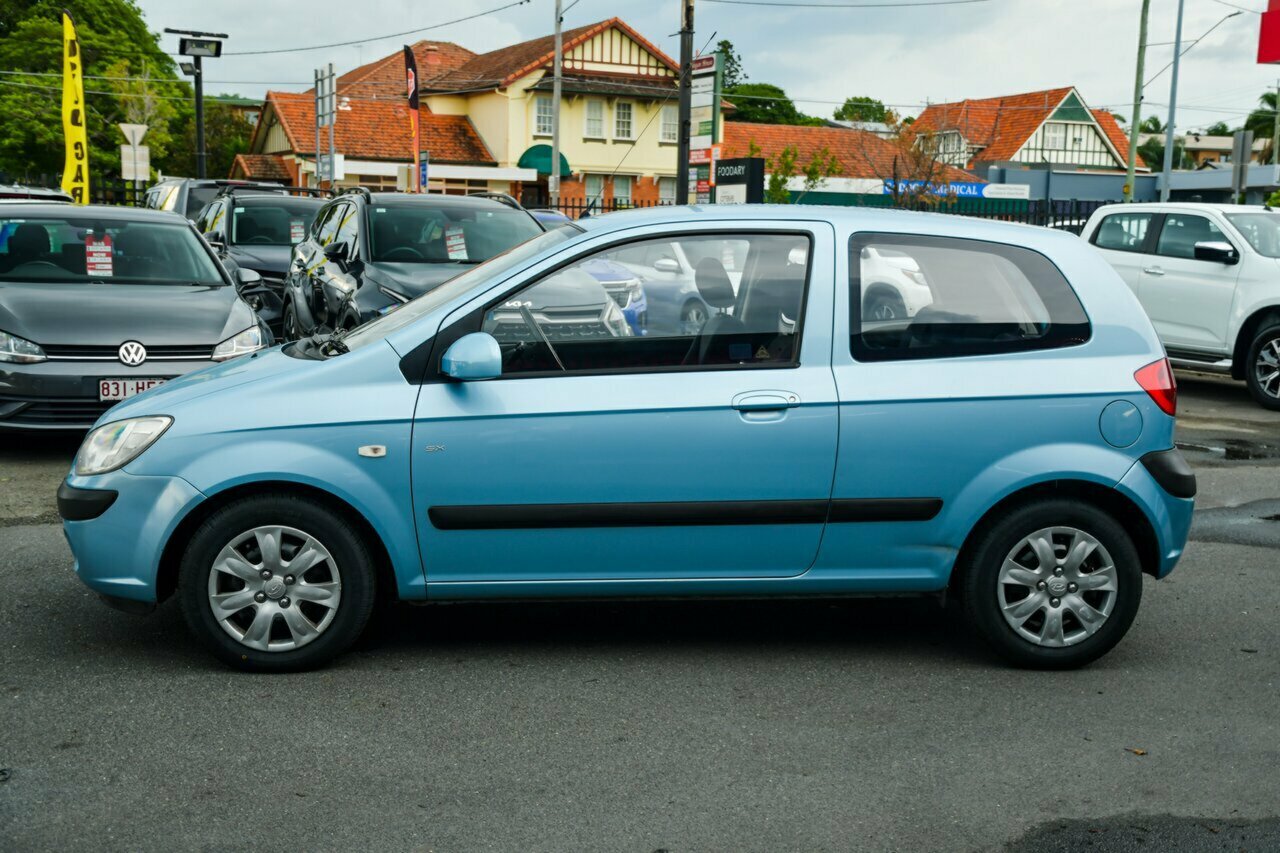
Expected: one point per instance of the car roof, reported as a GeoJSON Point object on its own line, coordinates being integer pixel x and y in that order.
{"type": "Point", "coordinates": [434, 200]}
{"type": "Point", "coordinates": [253, 195]}
{"type": "Point", "coordinates": [1188, 206]}
{"type": "Point", "coordinates": [61, 210]}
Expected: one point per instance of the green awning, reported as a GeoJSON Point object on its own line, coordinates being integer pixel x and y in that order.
{"type": "Point", "coordinates": [539, 157]}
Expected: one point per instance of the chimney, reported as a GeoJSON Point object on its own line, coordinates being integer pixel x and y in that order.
{"type": "Point", "coordinates": [432, 56]}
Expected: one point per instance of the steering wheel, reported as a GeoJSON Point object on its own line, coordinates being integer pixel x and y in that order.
{"type": "Point", "coordinates": [412, 253]}
{"type": "Point", "coordinates": [28, 266]}
{"type": "Point", "coordinates": [260, 238]}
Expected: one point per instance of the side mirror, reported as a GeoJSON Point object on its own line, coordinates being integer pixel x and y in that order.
{"type": "Point", "coordinates": [216, 242]}
{"type": "Point", "coordinates": [666, 265]}
{"type": "Point", "coordinates": [336, 251]}
{"type": "Point", "coordinates": [1223, 253]}
{"type": "Point", "coordinates": [247, 278]}
{"type": "Point", "coordinates": [471, 357]}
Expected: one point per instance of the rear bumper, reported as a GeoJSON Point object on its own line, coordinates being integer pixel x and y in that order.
{"type": "Point", "coordinates": [1169, 514]}
{"type": "Point", "coordinates": [63, 395]}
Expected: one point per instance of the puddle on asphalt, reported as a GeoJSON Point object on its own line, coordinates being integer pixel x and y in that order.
{"type": "Point", "coordinates": [1234, 449]}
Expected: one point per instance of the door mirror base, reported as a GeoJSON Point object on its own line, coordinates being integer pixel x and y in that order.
{"type": "Point", "coordinates": [472, 357]}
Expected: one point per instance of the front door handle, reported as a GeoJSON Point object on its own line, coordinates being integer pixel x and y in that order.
{"type": "Point", "coordinates": [1153, 270]}
{"type": "Point", "coordinates": [765, 401]}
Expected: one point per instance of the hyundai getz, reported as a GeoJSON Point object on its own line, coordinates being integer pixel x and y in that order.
{"type": "Point", "coordinates": [1009, 445]}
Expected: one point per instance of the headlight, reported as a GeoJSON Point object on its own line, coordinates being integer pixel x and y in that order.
{"type": "Point", "coordinates": [19, 350]}
{"type": "Point", "coordinates": [250, 340]}
{"type": "Point", "coordinates": [112, 445]}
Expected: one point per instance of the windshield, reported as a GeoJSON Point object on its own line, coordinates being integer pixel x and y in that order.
{"type": "Point", "coordinates": [1262, 230]}
{"type": "Point", "coordinates": [84, 249]}
{"type": "Point", "coordinates": [492, 270]}
{"type": "Point", "coordinates": [422, 234]}
{"type": "Point", "coordinates": [279, 222]}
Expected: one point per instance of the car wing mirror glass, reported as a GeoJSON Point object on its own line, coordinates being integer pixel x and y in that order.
{"type": "Point", "coordinates": [472, 357]}
{"type": "Point", "coordinates": [1217, 250]}
{"type": "Point", "coordinates": [666, 265]}
{"type": "Point", "coordinates": [336, 251]}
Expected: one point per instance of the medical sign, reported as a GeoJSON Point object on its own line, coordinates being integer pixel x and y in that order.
{"type": "Point", "coordinates": [961, 189]}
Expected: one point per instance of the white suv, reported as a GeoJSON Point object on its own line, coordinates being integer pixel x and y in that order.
{"type": "Point", "coordinates": [1208, 276]}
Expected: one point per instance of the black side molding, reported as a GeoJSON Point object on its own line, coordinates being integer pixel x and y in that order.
{"type": "Point", "coordinates": [83, 504]}
{"type": "Point", "coordinates": [680, 513]}
{"type": "Point", "coordinates": [1171, 471]}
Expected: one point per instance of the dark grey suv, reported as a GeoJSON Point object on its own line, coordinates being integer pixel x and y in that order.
{"type": "Point", "coordinates": [98, 304]}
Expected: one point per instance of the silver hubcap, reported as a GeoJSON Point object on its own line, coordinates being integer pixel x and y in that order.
{"type": "Point", "coordinates": [883, 310]}
{"type": "Point", "coordinates": [1057, 587]}
{"type": "Point", "coordinates": [1267, 368]}
{"type": "Point", "coordinates": [274, 588]}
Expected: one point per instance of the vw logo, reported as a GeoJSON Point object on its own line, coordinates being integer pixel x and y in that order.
{"type": "Point", "coordinates": [132, 353]}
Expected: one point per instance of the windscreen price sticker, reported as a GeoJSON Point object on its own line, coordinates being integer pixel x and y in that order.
{"type": "Point", "coordinates": [297, 231]}
{"type": "Point", "coordinates": [455, 243]}
{"type": "Point", "coordinates": [97, 255]}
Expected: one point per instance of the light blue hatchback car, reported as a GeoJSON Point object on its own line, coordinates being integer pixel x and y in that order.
{"type": "Point", "coordinates": [1008, 445]}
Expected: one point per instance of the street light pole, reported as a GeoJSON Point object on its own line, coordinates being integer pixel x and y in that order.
{"type": "Point", "coordinates": [686, 92]}
{"type": "Point", "coordinates": [198, 45]}
{"type": "Point", "coordinates": [553, 177]}
{"type": "Point", "coordinates": [200, 151]}
{"type": "Point", "coordinates": [1135, 128]}
{"type": "Point", "coordinates": [1173, 107]}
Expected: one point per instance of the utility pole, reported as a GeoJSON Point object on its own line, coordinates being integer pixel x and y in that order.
{"type": "Point", "coordinates": [198, 46]}
{"type": "Point", "coordinates": [1173, 107]}
{"type": "Point", "coordinates": [1135, 128]}
{"type": "Point", "coordinates": [686, 83]}
{"type": "Point", "coordinates": [553, 179]}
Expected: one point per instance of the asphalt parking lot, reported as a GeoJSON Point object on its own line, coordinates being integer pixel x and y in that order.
{"type": "Point", "coordinates": [676, 726]}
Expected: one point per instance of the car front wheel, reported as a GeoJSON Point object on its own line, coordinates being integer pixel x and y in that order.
{"type": "Point", "coordinates": [290, 328]}
{"type": "Point", "coordinates": [276, 583]}
{"type": "Point", "coordinates": [1054, 584]}
{"type": "Point", "coordinates": [1262, 372]}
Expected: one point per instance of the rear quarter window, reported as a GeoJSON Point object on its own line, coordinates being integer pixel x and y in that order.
{"type": "Point", "coordinates": [917, 297]}
{"type": "Point", "coordinates": [1123, 232]}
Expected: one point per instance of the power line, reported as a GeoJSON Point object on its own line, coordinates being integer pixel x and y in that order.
{"type": "Point", "coordinates": [377, 38]}
{"type": "Point", "coordinates": [1224, 19]}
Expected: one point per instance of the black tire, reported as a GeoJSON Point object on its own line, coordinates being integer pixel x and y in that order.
{"type": "Point", "coordinates": [883, 305]}
{"type": "Point", "coordinates": [349, 552]}
{"type": "Point", "coordinates": [980, 587]}
{"type": "Point", "coordinates": [290, 330]}
{"type": "Point", "coordinates": [694, 315]}
{"type": "Point", "coordinates": [1266, 344]}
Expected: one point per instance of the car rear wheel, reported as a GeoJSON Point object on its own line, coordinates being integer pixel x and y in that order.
{"type": "Point", "coordinates": [1262, 372]}
{"type": "Point", "coordinates": [693, 317]}
{"type": "Point", "coordinates": [276, 583]}
{"type": "Point", "coordinates": [1054, 584]}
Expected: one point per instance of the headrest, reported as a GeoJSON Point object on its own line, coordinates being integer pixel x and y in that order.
{"type": "Point", "coordinates": [713, 283]}
{"type": "Point", "coordinates": [29, 239]}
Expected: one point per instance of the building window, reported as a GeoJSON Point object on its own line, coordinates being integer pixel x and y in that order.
{"type": "Point", "coordinates": [595, 120]}
{"type": "Point", "coordinates": [622, 190]}
{"type": "Point", "coordinates": [666, 190]}
{"type": "Point", "coordinates": [456, 186]}
{"type": "Point", "coordinates": [542, 118]}
{"type": "Point", "coordinates": [622, 120]}
{"type": "Point", "coordinates": [670, 125]}
{"type": "Point", "coordinates": [595, 188]}
{"type": "Point", "coordinates": [1055, 136]}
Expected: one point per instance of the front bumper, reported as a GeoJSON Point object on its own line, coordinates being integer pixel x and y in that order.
{"type": "Point", "coordinates": [117, 552]}
{"type": "Point", "coordinates": [63, 395]}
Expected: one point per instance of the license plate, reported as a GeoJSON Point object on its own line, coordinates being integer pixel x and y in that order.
{"type": "Point", "coordinates": [120, 389]}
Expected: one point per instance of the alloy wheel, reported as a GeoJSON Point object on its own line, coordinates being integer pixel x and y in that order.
{"type": "Point", "coordinates": [274, 588]}
{"type": "Point", "coordinates": [1057, 587]}
{"type": "Point", "coordinates": [1266, 368]}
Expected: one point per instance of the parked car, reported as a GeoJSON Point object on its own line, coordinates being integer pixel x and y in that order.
{"type": "Point", "coordinates": [369, 253]}
{"type": "Point", "coordinates": [1010, 446]}
{"type": "Point", "coordinates": [548, 217]}
{"type": "Point", "coordinates": [250, 229]}
{"type": "Point", "coordinates": [1208, 276]}
{"type": "Point", "coordinates": [188, 196]}
{"type": "Point", "coordinates": [667, 272]}
{"type": "Point", "coordinates": [98, 304]}
{"type": "Point", "coordinates": [16, 192]}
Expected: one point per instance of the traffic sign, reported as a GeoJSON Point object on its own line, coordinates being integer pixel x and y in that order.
{"type": "Point", "coordinates": [133, 133]}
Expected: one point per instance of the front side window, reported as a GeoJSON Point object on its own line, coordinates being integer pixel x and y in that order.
{"type": "Point", "coordinates": [421, 233]}
{"type": "Point", "coordinates": [622, 189]}
{"type": "Point", "coordinates": [542, 117]}
{"type": "Point", "coordinates": [581, 317]}
{"type": "Point", "coordinates": [595, 120]}
{"type": "Point", "coordinates": [348, 221]}
{"type": "Point", "coordinates": [622, 120]}
{"type": "Point", "coordinates": [326, 224]}
{"type": "Point", "coordinates": [1123, 232]}
{"type": "Point", "coordinates": [1262, 230]}
{"type": "Point", "coordinates": [89, 250]}
{"type": "Point", "coordinates": [670, 131]}
{"type": "Point", "coordinates": [915, 297]}
{"type": "Point", "coordinates": [1182, 231]}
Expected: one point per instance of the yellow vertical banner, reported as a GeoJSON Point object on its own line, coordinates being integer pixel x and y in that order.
{"type": "Point", "coordinates": [75, 173]}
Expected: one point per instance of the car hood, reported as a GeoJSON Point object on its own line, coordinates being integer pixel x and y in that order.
{"type": "Point", "coordinates": [263, 259]}
{"type": "Point", "coordinates": [412, 279]}
{"type": "Point", "coordinates": [110, 314]}
{"type": "Point", "coordinates": [606, 271]}
{"type": "Point", "coordinates": [166, 398]}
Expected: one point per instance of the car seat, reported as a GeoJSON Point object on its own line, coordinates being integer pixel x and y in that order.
{"type": "Point", "coordinates": [712, 344]}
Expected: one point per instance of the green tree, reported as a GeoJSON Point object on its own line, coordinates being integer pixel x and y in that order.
{"type": "Point", "coordinates": [1152, 152]}
{"type": "Point", "coordinates": [767, 104]}
{"type": "Point", "coordinates": [1262, 121]}
{"type": "Point", "coordinates": [784, 166]}
{"type": "Point", "coordinates": [731, 64]}
{"type": "Point", "coordinates": [226, 134]}
{"type": "Point", "coordinates": [861, 108]}
{"type": "Point", "coordinates": [1219, 129]}
{"type": "Point", "coordinates": [111, 32]}
{"type": "Point", "coordinates": [1151, 124]}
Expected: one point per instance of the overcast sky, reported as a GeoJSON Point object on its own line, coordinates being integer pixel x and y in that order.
{"type": "Point", "coordinates": [903, 56]}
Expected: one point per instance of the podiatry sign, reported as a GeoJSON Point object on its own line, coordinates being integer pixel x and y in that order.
{"type": "Point", "coordinates": [75, 172]}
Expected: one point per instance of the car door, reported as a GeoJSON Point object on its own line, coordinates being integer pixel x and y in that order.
{"type": "Point", "coordinates": [625, 458]}
{"type": "Point", "coordinates": [1123, 240]}
{"type": "Point", "coordinates": [338, 278]}
{"type": "Point", "coordinates": [1188, 300]}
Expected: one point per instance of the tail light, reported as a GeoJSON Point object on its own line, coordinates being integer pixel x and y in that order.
{"type": "Point", "coordinates": [1157, 380]}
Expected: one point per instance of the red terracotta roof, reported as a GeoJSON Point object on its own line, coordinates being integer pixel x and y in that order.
{"type": "Point", "coordinates": [1116, 134]}
{"type": "Point", "coordinates": [504, 66]}
{"type": "Point", "coordinates": [1000, 126]}
{"type": "Point", "coordinates": [860, 154]}
{"type": "Point", "coordinates": [384, 78]}
{"type": "Point", "coordinates": [260, 167]}
{"type": "Point", "coordinates": [377, 130]}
